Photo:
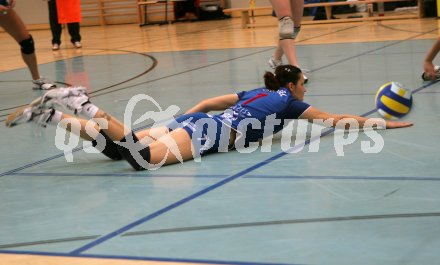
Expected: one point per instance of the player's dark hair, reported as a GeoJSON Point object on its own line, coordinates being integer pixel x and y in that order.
{"type": "Point", "coordinates": [284, 74]}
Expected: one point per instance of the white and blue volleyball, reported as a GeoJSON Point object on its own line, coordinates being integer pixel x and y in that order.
{"type": "Point", "coordinates": [393, 101]}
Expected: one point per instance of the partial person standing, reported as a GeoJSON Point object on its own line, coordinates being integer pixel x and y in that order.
{"type": "Point", "coordinates": [14, 26]}
{"type": "Point", "coordinates": [65, 12]}
{"type": "Point", "coordinates": [289, 14]}
{"type": "Point", "coordinates": [431, 71]}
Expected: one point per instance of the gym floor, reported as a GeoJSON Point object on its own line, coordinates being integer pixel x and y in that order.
{"type": "Point", "coordinates": [298, 203]}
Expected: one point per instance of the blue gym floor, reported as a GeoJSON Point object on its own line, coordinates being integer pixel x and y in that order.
{"type": "Point", "coordinates": [277, 207]}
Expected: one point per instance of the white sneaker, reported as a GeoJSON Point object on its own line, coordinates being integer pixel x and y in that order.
{"type": "Point", "coordinates": [437, 74]}
{"type": "Point", "coordinates": [43, 84]}
{"type": "Point", "coordinates": [305, 71]}
{"type": "Point", "coordinates": [274, 63]}
{"type": "Point", "coordinates": [29, 113]}
{"type": "Point", "coordinates": [77, 44]}
{"type": "Point", "coordinates": [55, 47]}
{"type": "Point", "coordinates": [72, 98]}
{"type": "Point", "coordinates": [285, 28]}
{"type": "Point", "coordinates": [306, 79]}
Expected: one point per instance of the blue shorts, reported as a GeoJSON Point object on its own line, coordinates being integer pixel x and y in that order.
{"type": "Point", "coordinates": [208, 134]}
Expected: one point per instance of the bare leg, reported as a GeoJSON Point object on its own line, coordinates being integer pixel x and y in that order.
{"type": "Point", "coordinates": [170, 147]}
{"type": "Point", "coordinates": [297, 9]}
{"type": "Point", "coordinates": [116, 130]}
{"type": "Point", "coordinates": [282, 8]}
{"type": "Point", "coordinates": [108, 134]}
{"type": "Point", "coordinates": [148, 136]}
{"type": "Point", "coordinates": [278, 54]}
{"type": "Point", "coordinates": [289, 49]}
{"type": "Point", "coordinates": [13, 24]}
{"type": "Point", "coordinates": [174, 147]}
{"type": "Point", "coordinates": [68, 125]}
{"type": "Point", "coordinates": [294, 10]}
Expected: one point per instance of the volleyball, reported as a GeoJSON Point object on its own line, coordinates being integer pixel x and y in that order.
{"type": "Point", "coordinates": [393, 101]}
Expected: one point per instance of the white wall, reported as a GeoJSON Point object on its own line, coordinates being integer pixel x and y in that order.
{"type": "Point", "coordinates": [33, 11]}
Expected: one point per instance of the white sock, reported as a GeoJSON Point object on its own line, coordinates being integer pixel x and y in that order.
{"type": "Point", "coordinates": [89, 110]}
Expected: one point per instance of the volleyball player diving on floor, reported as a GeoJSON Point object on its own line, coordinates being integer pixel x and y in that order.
{"type": "Point", "coordinates": [244, 121]}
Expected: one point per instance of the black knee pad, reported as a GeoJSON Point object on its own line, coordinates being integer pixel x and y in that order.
{"type": "Point", "coordinates": [111, 148]}
{"type": "Point", "coordinates": [27, 45]}
{"type": "Point", "coordinates": [127, 154]}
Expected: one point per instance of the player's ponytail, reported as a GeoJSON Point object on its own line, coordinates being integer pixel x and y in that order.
{"type": "Point", "coordinates": [271, 82]}
{"type": "Point", "coordinates": [284, 74]}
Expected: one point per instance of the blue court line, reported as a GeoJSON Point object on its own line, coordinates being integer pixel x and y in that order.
{"type": "Point", "coordinates": [191, 197]}
{"type": "Point", "coordinates": [10, 172]}
{"type": "Point", "coordinates": [121, 257]}
{"type": "Point", "coordinates": [388, 178]}
{"type": "Point", "coordinates": [413, 178]}
{"type": "Point", "coordinates": [425, 86]}
{"type": "Point", "coordinates": [373, 50]}
{"type": "Point", "coordinates": [146, 175]}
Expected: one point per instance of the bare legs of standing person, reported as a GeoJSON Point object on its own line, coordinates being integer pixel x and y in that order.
{"type": "Point", "coordinates": [15, 27]}
{"type": "Point", "coordinates": [289, 14]}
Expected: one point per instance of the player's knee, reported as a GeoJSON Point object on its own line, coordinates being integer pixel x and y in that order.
{"type": "Point", "coordinates": [27, 45]}
{"type": "Point", "coordinates": [139, 160]}
{"type": "Point", "coordinates": [285, 28]}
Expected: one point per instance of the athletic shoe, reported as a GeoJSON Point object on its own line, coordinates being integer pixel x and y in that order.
{"type": "Point", "coordinates": [77, 44]}
{"type": "Point", "coordinates": [285, 27]}
{"type": "Point", "coordinates": [55, 47]}
{"type": "Point", "coordinates": [437, 74]}
{"type": "Point", "coordinates": [43, 84]}
{"type": "Point", "coordinates": [73, 98]}
{"type": "Point", "coordinates": [305, 71]}
{"type": "Point", "coordinates": [274, 63]}
{"type": "Point", "coordinates": [306, 79]}
{"type": "Point", "coordinates": [29, 113]}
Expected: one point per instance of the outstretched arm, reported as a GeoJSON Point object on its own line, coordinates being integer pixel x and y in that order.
{"type": "Point", "coordinates": [334, 119]}
{"type": "Point", "coordinates": [428, 66]}
{"type": "Point", "coordinates": [216, 103]}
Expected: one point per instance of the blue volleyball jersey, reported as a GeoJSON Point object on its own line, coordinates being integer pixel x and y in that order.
{"type": "Point", "coordinates": [258, 104]}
